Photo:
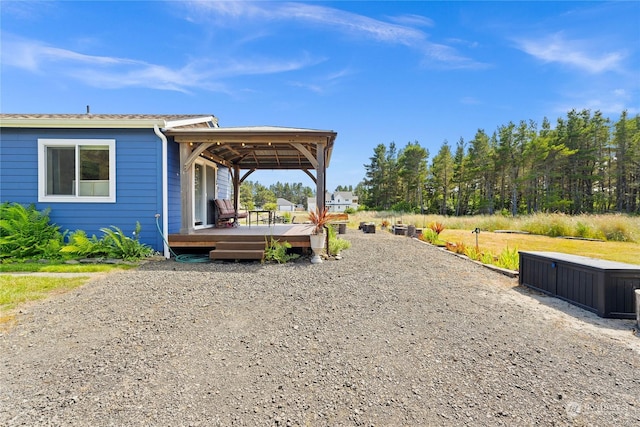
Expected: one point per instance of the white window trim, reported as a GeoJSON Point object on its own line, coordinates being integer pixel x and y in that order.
{"type": "Point", "coordinates": [43, 143]}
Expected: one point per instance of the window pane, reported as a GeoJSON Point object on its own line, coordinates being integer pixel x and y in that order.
{"type": "Point", "coordinates": [61, 170]}
{"type": "Point", "coordinates": [94, 163]}
{"type": "Point", "coordinates": [94, 170]}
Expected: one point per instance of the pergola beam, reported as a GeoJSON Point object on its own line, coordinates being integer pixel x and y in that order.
{"type": "Point", "coordinates": [258, 148]}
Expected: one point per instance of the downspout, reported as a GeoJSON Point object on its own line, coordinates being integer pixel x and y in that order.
{"type": "Point", "coordinates": [165, 192]}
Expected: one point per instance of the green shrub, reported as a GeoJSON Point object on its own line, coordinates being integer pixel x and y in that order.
{"type": "Point", "coordinates": [472, 253]}
{"type": "Point", "coordinates": [81, 245]}
{"type": "Point", "coordinates": [114, 244]}
{"type": "Point", "coordinates": [349, 210]}
{"type": "Point", "coordinates": [124, 247]}
{"type": "Point", "coordinates": [26, 232]}
{"type": "Point", "coordinates": [336, 244]}
{"type": "Point", "coordinates": [286, 217]}
{"type": "Point", "coordinates": [277, 251]}
{"type": "Point", "coordinates": [430, 236]}
{"type": "Point", "coordinates": [487, 258]}
{"type": "Point", "coordinates": [508, 259]}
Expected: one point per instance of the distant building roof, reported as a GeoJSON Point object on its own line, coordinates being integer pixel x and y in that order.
{"type": "Point", "coordinates": [284, 202]}
{"type": "Point", "coordinates": [344, 194]}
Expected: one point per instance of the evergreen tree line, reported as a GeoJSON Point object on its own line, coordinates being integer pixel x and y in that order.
{"type": "Point", "coordinates": [253, 194]}
{"type": "Point", "coordinates": [586, 164]}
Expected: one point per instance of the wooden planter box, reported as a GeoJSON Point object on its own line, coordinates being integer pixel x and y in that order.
{"type": "Point", "coordinates": [400, 230]}
{"type": "Point", "coordinates": [603, 287]}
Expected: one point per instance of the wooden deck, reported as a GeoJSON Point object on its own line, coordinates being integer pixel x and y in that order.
{"type": "Point", "coordinates": [296, 234]}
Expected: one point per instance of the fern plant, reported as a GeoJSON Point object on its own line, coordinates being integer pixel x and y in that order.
{"type": "Point", "coordinates": [276, 250]}
{"type": "Point", "coordinates": [81, 245]}
{"type": "Point", "coordinates": [26, 232]}
{"type": "Point", "coordinates": [121, 246]}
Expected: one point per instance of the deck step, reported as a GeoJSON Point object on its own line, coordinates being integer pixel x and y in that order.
{"type": "Point", "coordinates": [235, 245]}
{"type": "Point", "coordinates": [236, 254]}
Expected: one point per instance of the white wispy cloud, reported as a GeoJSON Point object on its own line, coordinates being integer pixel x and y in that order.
{"type": "Point", "coordinates": [401, 31]}
{"type": "Point", "coordinates": [576, 53]}
{"type": "Point", "coordinates": [114, 72]}
{"type": "Point", "coordinates": [324, 83]}
{"type": "Point", "coordinates": [412, 20]}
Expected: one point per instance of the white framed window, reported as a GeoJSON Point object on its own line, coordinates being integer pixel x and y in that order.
{"type": "Point", "coordinates": [77, 170]}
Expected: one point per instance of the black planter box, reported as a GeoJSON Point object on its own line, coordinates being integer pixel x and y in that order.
{"type": "Point", "coordinates": [606, 288]}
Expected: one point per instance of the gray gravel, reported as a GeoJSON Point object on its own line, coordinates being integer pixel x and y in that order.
{"type": "Point", "coordinates": [396, 333]}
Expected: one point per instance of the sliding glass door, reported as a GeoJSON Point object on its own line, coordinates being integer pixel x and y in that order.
{"type": "Point", "coordinates": [204, 191]}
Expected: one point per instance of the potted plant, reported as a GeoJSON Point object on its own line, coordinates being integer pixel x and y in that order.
{"type": "Point", "coordinates": [317, 238]}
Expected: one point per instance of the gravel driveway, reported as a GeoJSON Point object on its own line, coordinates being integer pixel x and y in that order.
{"type": "Point", "coordinates": [396, 333]}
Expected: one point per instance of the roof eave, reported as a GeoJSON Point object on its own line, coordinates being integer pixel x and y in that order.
{"type": "Point", "coordinates": [82, 123]}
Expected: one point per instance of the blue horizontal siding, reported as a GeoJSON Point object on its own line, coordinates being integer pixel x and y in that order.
{"type": "Point", "coordinates": [18, 162]}
{"type": "Point", "coordinates": [173, 184]}
{"type": "Point", "coordinates": [138, 180]}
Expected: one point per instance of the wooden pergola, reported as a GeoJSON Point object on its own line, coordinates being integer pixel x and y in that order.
{"type": "Point", "coordinates": [245, 150]}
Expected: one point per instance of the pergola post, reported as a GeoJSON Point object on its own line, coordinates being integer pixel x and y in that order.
{"type": "Point", "coordinates": [236, 186]}
{"type": "Point", "coordinates": [320, 177]}
{"type": "Point", "coordinates": [186, 193]}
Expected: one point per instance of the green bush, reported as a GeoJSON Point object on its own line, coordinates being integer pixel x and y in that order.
{"type": "Point", "coordinates": [114, 244]}
{"type": "Point", "coordinates": [508, 259]}
{"type": "Point", "coordinates": [121, 246]}
{"type": "Point", "coordinates": [487, 258]}
{"type": "Point", "coordinates": [277, 251]}
{"type": "Point", "coordinates": [430, 236]}
{"type": "Point", "coordinates": [27, 233]}
{"type": "Point", "coordinates": [336, 244]}
{"type": "Point", "coordinates": [472, 253]}
{"type": "Point", "coordinates": [81, 245]}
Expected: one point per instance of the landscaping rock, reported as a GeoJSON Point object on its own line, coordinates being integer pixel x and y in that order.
{"type": "Point", "coordinates": [397, 333]}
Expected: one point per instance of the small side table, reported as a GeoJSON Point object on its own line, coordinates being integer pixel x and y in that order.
{"type": "Point", "coordinates": [258, 212]}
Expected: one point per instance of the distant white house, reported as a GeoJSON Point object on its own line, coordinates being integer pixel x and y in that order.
{"type": "Point", "coordinates": [336, 202]}
{"type": "Point", "coordinates": [285, 205]}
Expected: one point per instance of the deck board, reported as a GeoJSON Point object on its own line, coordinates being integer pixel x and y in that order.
{"type": "Point", "coordinates": [296, 234]}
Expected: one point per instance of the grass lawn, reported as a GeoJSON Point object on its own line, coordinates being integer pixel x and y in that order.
{"type": "Point", "coordinates": [17, 290]}
{"type": "Point", "coordinates": [496, 242]}
{"type": "Point", "coordinates": [34, 267]}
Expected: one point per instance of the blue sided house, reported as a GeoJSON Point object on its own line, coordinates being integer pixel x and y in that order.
{"type": "Point", "coordinates": [101, 170]}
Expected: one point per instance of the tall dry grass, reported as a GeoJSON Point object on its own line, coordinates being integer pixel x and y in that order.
{"type": "Point", "coordinates": [610, 227]}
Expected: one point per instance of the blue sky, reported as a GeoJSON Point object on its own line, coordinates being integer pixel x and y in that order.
{"type": "Point", "coordinates": [375, 72]}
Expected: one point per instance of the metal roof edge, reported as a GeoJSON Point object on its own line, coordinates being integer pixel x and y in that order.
{"type": "Point", "coordinates": [80, 123]}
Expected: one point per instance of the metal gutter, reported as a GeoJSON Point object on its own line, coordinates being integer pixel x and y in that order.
{"type": "Point", "coordinates": [165, 192]}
